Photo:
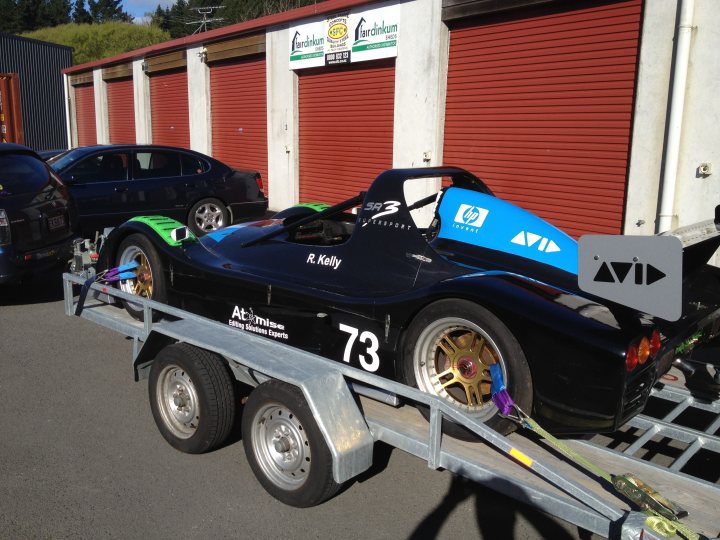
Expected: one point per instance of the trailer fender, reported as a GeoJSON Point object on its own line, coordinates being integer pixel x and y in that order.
{"type": "Point", "coordinates": [149, 349]}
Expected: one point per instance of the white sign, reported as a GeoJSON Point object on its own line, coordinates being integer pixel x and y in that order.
{"type": "Point", "coordinates": [343, 38]}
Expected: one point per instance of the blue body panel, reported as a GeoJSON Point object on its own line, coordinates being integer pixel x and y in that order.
{"type": "Point", "coordinates": [478, 219]}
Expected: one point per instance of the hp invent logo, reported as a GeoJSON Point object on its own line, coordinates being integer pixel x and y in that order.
{"type": "Point", "coordinates": [530, 239]}
{"type": "Point", "coordinates": [472, 216]}
{"type": "Point", "coordinates": [617, 272]}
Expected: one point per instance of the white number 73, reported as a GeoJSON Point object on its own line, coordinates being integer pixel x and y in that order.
{"type": "Point", "coordinates": [371, 342]}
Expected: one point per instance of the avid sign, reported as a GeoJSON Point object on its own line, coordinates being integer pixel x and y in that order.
{"type": "Point", "coordinates": [343, 38]}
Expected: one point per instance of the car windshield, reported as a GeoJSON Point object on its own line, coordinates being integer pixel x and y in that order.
{"type": "Point", "coordinates": [21, 174]}
{"type": "Point", "coordinates": [64, 160]}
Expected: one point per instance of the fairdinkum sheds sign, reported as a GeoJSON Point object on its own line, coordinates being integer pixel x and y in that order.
{"type": "Point", "coordinates": [346, 37]}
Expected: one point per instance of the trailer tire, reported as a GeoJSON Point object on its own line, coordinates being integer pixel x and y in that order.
{"type": "Point", "coordinates": [150, 282]}
{"type": "Point", "coordinates": [459, 326]}
{"type": "Point", "coordinates": [192, 398]}
{"type": "Point", "coordinates": [285, 448]}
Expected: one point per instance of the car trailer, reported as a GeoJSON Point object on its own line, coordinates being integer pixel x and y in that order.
{"type": "Point", "coordinates": [344, 411]}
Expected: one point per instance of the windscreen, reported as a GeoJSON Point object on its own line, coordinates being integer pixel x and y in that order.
{"type": "Point", "coordinates": [22, 174]}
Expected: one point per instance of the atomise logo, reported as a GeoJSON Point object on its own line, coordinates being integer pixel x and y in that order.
{"type": "Point", "coordinates": [470, 215]}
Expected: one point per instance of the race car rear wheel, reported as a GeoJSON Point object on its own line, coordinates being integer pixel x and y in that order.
{"type": "Point", "coordinates": [284, 446]}
{"type": "Point", "coordinates": [208, 215]}
{"type": "Point", "coordinates": [448, 351]}
{"type": "Point", "coordinates": [192, 398]}
{"type": "Point", "coordinates": [150, 279]}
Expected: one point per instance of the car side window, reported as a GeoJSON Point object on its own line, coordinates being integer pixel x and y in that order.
{"type": "Point", "coordinates": [107, 167]}
{"type": "Point", "coordinates": [192, 165]}
{"type": "Point", "coordinates": [156, 164]}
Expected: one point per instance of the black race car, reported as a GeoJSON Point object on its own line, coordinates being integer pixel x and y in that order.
{"type": "Point", "coordinates": [484, 282]}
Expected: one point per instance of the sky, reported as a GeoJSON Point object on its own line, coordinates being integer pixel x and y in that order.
{"type": "Point", "coordinates": [138, 8]}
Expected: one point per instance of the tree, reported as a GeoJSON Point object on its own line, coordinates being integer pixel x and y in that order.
{"type": "Point", "coordinates": [161, 18]}
{"type": "Point", "coordinates": [80, 14]}
{"type": "Point", "coordinates": [108, 10]}
{"type": "Point", "coordinates": [30, 14]}
{"type": "Point", "coordinates": [95, 41]}
{"type": "Point", "coordinates": [10, 21]}
{"type": "Point", "coordinates": [56, 12]}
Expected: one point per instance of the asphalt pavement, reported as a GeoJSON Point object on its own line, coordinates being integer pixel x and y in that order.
{"type": "Point", "coordinates": [80, 457]}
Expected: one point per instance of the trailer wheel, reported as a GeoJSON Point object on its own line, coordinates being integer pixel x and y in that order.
{"type": "Point", "coordinates": [192, 398]}
{"type": "Point", "coordinates": [150, 280]}
{"type": "Point", "coordinates": [284, 446]}
{"type": "Point", "coordinates": [448, 350]}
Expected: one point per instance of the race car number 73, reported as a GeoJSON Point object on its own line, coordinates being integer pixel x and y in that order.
{"type": "Point", "coordinates": [371, 342]}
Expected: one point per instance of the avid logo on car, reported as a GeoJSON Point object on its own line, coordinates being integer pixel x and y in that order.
{"type": "Point", "coordinates": [470, 218]}
{"type": "Point", "coordinates": [245, 319]}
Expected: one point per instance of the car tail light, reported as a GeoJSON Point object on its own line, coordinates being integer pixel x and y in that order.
{"type": "Point", "coordinates": [655, 343]}
{"type": "Point", "coordinates": [631, 358]}
{"type": "Point", "coordinates": [4, 228]}
{"type": "Point", "coordinates": [258, 179]}
{"type": "Point", "coordinates": [643, 350]}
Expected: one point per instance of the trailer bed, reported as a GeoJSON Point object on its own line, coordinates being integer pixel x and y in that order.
{"type": "Point", "coordinates": [567, 492]}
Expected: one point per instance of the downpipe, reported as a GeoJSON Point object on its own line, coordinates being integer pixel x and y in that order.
{"type": "Point", "coordinates": [677, 106]}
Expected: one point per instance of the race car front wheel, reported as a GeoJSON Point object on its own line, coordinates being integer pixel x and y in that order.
{"type": "Point", "coordinates": [149, 281]}
{"type": "Point", "coordinates": [284, 446]}
{"type": "Point", "coordinates": [192, 398]}
{"type": "Point", "coordinates": [448, 351]}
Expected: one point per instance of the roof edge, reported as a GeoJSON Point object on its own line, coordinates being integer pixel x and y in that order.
{"type": "Point", "coordinates": [218, 34]}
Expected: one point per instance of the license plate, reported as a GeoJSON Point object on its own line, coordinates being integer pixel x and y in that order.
{"type": "Point", "coordinates": [56, 222]}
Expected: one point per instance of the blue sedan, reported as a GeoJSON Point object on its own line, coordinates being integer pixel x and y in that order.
{"type": "Point", "coordinates": [111, 184]}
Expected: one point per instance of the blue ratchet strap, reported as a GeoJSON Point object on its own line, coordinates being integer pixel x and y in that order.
{"type": "Point", "coordinates": [114, 274]}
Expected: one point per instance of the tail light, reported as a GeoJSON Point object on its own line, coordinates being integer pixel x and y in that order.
{"type": "Point", "coordinates": [259, 181]}
{"type": "Point", "coordinates": [631, 358]}
{"type": "Point", "coordinates": [640, 351]}
{"type": "Point", "coordinates": [655, 343]}
{"type": "Point", "coordinates": [4, 228]}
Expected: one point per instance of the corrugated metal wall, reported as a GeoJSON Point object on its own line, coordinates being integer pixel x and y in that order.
{"type": "Point", "coordinates": [539, 104]}
{"type": "Point", "coordinates": [346, 129]}
{"type": "Point", "coordinates": [85, 114]}
{"type": "Point", "coordinates": [40, 66]}
{"type": "Point", "coordinates": [170, 113]}
{"type": "Point", "coordinates": [121, 111]}
{"type": "Point", "coordinates": [239, 114]}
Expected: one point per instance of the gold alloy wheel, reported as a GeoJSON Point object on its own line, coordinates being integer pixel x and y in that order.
{"type": "Point", "coordinates": [142, 285]}
{"type": "Point", "coordinates": [452, 360]}
{"type": "Point", "coordinates": [464, 358]}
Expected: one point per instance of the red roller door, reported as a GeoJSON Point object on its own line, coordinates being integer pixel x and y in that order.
{"type": "Point", "coordinates": [239, 114]}
{"type": "Point", "coordinates": [539, 104]}
{"type": "Point", "coordinates": [170, 114]}
{"type": "Point", "coordinates": [85, 114]}
{"type": "Point", "coordinates": [346, 129]}
{"type": "Point", "coordinates": [121, 111]}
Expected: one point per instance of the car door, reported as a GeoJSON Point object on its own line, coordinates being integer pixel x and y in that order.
{"type": "Point", "coordinates": [100, 185]}
{"type": "Point", "coordinates": [157, 186]}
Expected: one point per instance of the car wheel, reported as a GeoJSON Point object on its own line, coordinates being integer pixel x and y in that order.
{"type": "Point", "coordinates": [192, 398]}
{"type": "Point", "coordinates": [150, 280]}
{"type": "Point", "coordinates": [284, 446]}
{"type": "Point", "coordinates": [448, 350]}
{"type": "Point", "coordinates": [208, 215]}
